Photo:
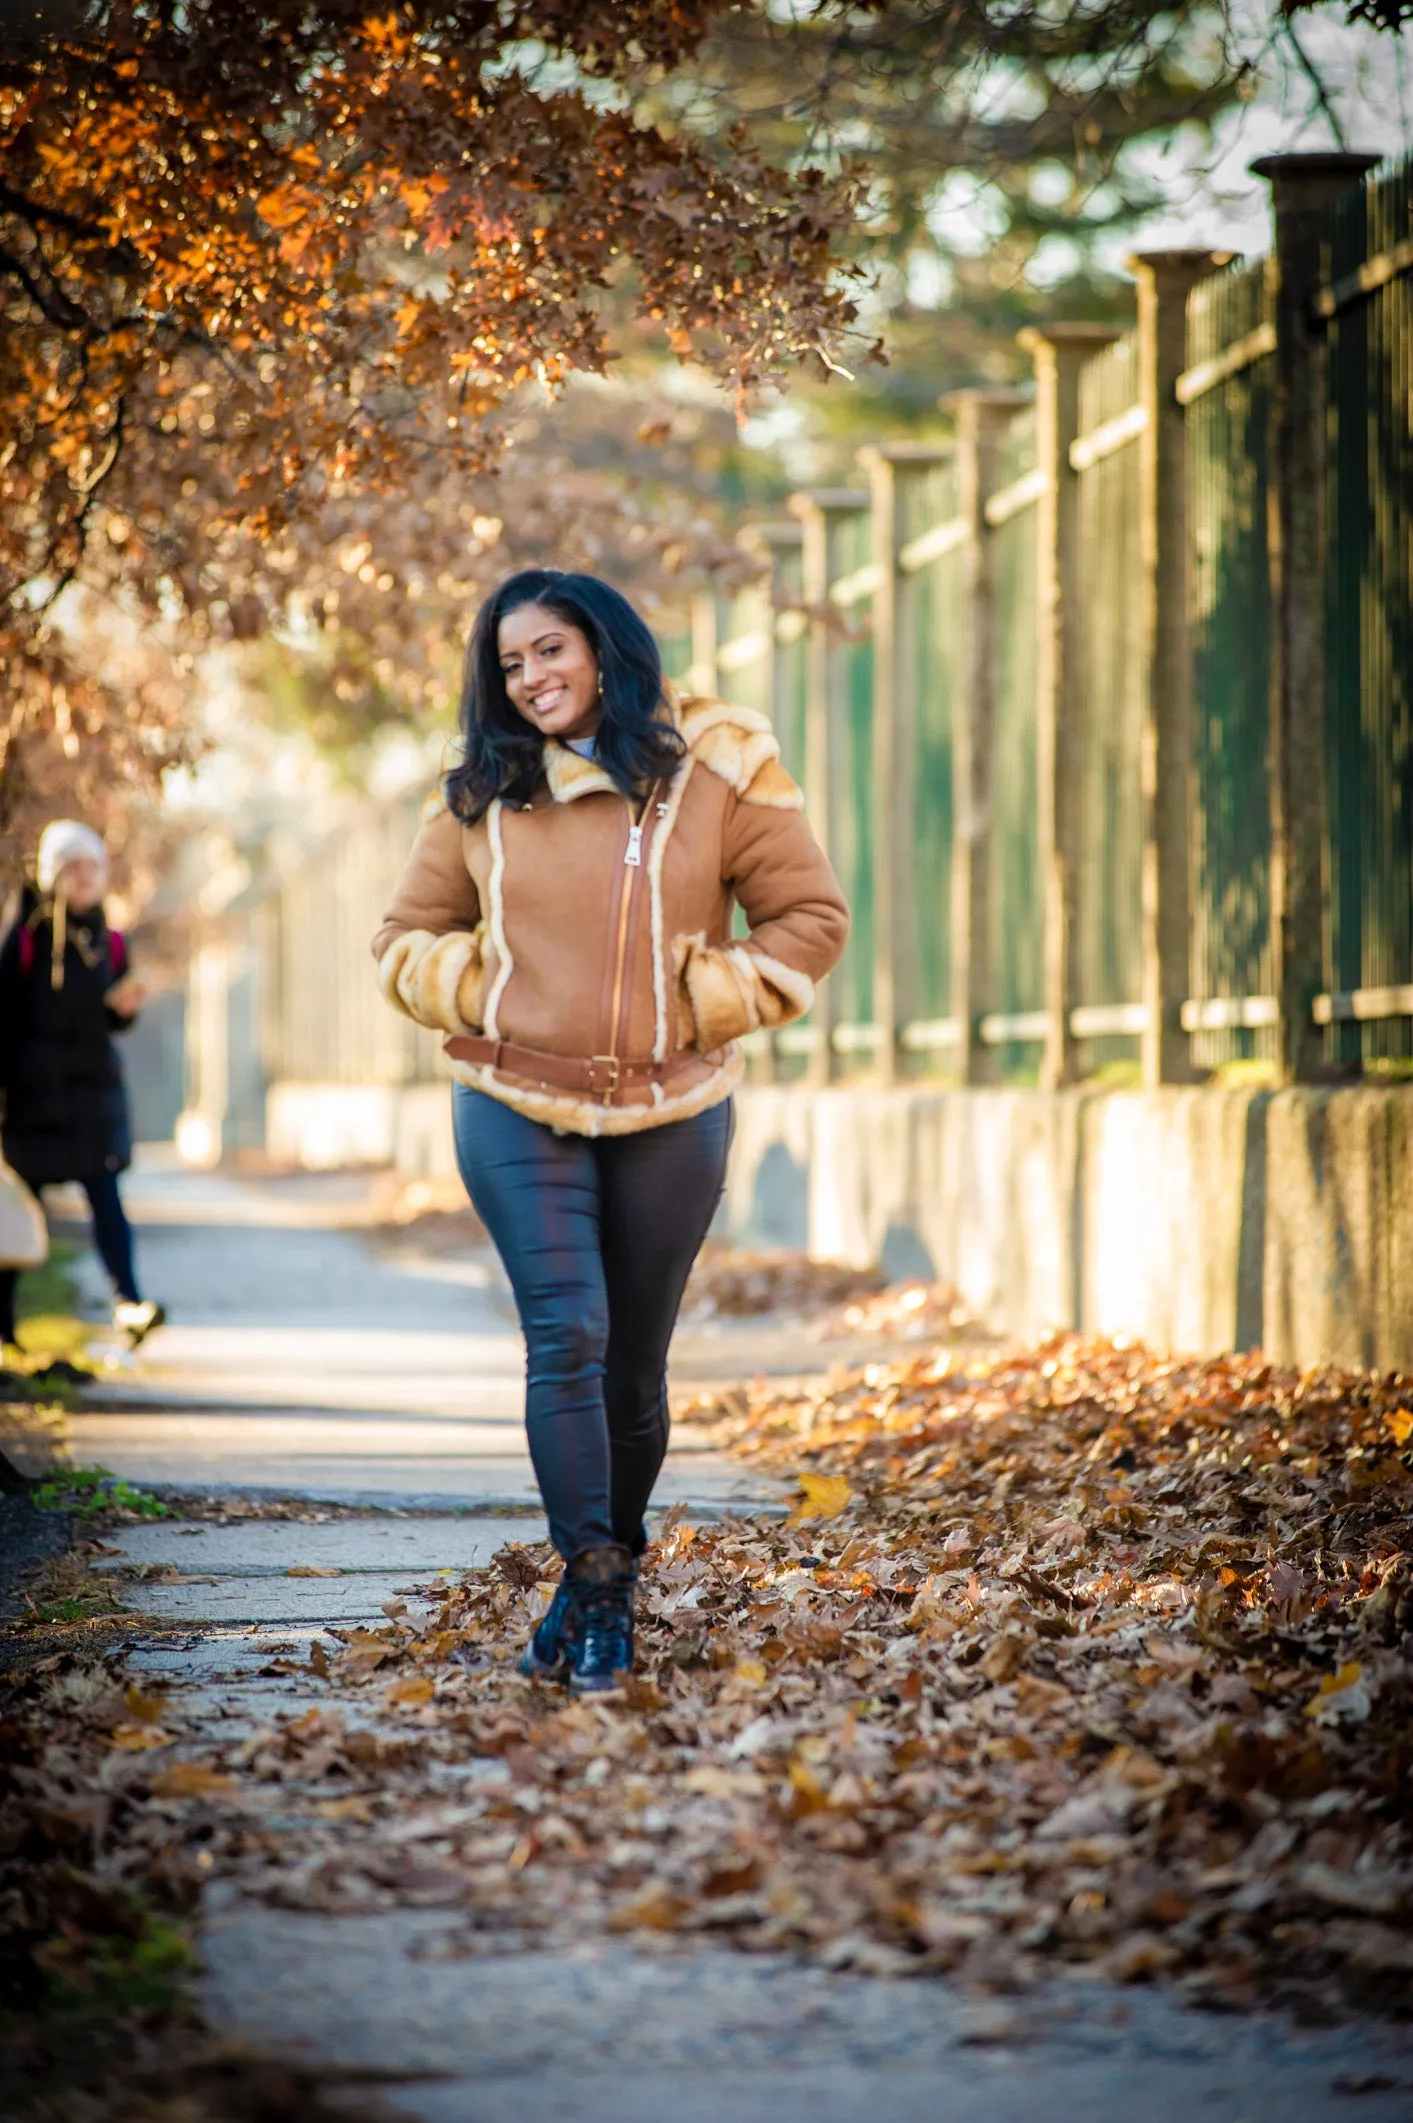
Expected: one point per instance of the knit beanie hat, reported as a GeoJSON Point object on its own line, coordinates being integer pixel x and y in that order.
{"type": "Point", "coordinates": [68, 840]}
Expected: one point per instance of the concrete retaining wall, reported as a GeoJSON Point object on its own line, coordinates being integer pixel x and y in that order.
{"type": "Point", "coordinates": [1197, 1219]}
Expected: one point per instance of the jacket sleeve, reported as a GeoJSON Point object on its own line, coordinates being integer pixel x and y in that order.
{"type": "Point", "coordinates": [431, 946]}
{"type": "Point", "coordinates": [797, 916]}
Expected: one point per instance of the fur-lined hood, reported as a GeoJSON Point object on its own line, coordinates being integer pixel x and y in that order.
{"type": "Point", "coordinates": [579, 928]}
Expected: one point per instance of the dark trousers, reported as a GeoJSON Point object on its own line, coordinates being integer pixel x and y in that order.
{"type": "Point", "coordinates": [598, 1236]}
{"type": "Point", "coordinates": [112, 1236]}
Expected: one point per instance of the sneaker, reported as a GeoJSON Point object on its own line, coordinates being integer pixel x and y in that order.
{"type": "Point", "coordinates": [136, 1318]}
{"type": "Point", "coordinates": [601, 1586]}
{"type": "Point", "coordinates": [547, 1655]}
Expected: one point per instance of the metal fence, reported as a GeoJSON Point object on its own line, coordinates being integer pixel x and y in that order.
{"type": "Point", "coordinates": [1095, 666]}
{"type": "Point", "coordinates": [1368, 310]}
{"type": "Point", "coordinates": [1051, 693]}
{"type": "Point", "coordinates": [1228, 393]}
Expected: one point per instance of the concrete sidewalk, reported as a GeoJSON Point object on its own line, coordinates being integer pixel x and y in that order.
{"type": "Point", "coordinates": [302, 1361]}
{"type": "Point", "coordinates": [611, 2031]}
{"type": "Point", "coordinates": [302, 1357]}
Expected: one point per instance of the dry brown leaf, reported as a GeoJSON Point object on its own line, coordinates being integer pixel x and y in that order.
{"type": "Point", "coordinates": [192, 1780]}
{"type": "Point", "coordinates": [410, 1693]}
{"type": "Point", "coordinates": [136, 1739]}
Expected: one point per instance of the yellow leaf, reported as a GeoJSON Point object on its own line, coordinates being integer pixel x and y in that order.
{"type": "Point", "coordinates": [134, 1739]}
{"type": "Point", "coordinates": [1400, 1422]}
{"type": "Point", "coordinates": [751, 1670]}
{"type": "Point", "coordinates": [825, 1497]}
{"type": "Point", "coordinates": [1345, 1678]}
{"type": "Point", "coordinates": [191, 1780]}
{"type": "Point", "coordinates": [312, 1570]}
{"type": "Point", "coordinates": [143, 1709]}
{"type": "Point", "coordinates": [407, 1694]}
{"type": "Point", "coordinates": [1334, 1684]}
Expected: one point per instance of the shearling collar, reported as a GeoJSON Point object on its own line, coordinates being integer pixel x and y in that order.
{"type": "Point", "coordinates": [569, 775]}
{"type": "Point", "coordinates": [736, 744]}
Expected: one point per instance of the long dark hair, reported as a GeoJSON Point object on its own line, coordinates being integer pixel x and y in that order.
{"type": "Point", "coordinates": [502, 754]}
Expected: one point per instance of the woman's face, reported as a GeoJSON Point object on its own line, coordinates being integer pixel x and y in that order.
{"type": "Point", "coordinates": [81, 883]}
{"type": "Point", "coordinates": [551, 673]}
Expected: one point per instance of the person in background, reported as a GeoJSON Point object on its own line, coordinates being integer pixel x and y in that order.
{"type": "Point", "coordinates": [65, 989]}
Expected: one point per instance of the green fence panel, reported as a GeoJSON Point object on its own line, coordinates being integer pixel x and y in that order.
{"type": "Point", "coordinates": [675, 650]}
{"type": "Point", "coordinates": [790, 661]}
{"type": "Point", "coordinates": [1369, 617]}
{"type": "Point", "coordinates": [1108, 936]}
{"type": "Point", "coordinates": [930, 623]}
{"type": "Point", "coordinates": [850, 725]}
{"type": "Point", "coordinates": [1227, 454]}
{"type": "Point", "coordinates": [744, 647]}
{"type": "Point", "coordinates": [1016, 900]}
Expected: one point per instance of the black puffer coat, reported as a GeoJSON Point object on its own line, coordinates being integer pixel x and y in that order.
{"type": "Point", "coordinates": [66, 1107]}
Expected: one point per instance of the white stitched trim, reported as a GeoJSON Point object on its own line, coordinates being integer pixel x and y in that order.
{"type": "Point", "coordinates": [569, 1115]}
{"type": "Point", "coordinates": [497, 920]}
{"type": "Point", "coordinates": [656, 855]}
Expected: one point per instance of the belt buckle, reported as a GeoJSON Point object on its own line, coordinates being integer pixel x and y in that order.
{"type": "Point", "coordinates": [614, 1068]}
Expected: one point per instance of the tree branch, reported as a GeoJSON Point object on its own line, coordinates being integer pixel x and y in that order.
{"type": "Point", "coordinates": [1316, 81]}
{"type": "Point", "coordinates": [56, 307]}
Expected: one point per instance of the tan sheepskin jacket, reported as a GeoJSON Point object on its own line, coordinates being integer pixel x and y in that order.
{"type": "Point", "coordinates": [572, 926]}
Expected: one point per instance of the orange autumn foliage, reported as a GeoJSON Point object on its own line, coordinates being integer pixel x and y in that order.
{"type": "Point", "coordinates": [257, 259]}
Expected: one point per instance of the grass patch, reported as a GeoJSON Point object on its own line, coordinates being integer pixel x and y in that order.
{"type": "Point", "coordinates": [46, 1302]}
{"type": "Point", "coordinates": [139, 1975]}
{"type": "Point", "coordinates": [67, 1593]}
{"type": "Point", "coordinates": [1247, 1073]}
{"type": "Point", "coordinates": [1120, 1074]}
{"type": "Point", "coordinates": [88, 1492]}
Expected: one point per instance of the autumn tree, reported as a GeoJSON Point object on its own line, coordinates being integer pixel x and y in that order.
{"type": "Point", "coordinates": [264, 261]}
{"type": "Point", "coordinates": [1004, 144]}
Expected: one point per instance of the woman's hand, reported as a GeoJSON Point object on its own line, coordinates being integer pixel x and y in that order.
{"type": "Point", "coordinates": [127, 995]}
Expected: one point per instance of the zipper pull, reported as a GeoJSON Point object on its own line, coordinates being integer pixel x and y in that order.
{"type": "Point", "coordinates": [633, 856]}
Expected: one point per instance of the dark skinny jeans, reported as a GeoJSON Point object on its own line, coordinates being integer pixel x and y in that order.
{"type": "Point", "coordinates": [598, 1236]}
{"type": "Point", "coordinates": [112, 1236]}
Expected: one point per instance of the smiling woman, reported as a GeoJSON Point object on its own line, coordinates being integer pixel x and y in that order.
{"type": "Point", "coordinates": [565, 919]}
{"type": "Point", "coordinates": [560, 656]}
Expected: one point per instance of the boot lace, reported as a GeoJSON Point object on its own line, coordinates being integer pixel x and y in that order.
{"type": "Point", "coordinates": [606, 1642]}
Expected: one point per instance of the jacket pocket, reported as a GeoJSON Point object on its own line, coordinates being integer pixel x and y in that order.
{"type": "Point", "coordinates": [438, 981]}
{"type": "Point", "coordinates": [714, 1000]}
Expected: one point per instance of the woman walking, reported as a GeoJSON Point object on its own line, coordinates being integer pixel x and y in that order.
{"type": "Point", "coordinates": [565, 919]}
{"type": "Point", "coordinates": [65, 989]}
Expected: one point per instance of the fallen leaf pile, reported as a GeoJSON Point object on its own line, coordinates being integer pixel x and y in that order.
{"type": "Point", "coordinates": [1081, 1656]}
{"type": "Point", "coordinates": [907, 1312]}
{"type": "Point", "coordinates": [425, 1216]}
{"type": "Point", "coordinates": [734, 1282]}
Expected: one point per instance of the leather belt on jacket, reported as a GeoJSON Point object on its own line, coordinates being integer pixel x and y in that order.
{"type": "Point", "coordinates": [601, 1076]}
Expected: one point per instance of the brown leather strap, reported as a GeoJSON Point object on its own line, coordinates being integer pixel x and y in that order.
{"type": "Point", "coordinates": [597, 1076]}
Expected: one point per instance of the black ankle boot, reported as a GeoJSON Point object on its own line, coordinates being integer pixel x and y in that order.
{"type": "Point", "coordinates": [601, 1590]}
{"type": "Point", "coordinates": [547, 1655]}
